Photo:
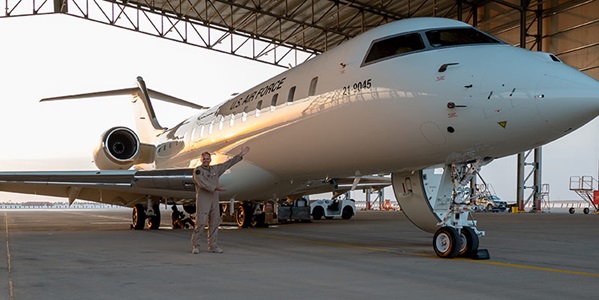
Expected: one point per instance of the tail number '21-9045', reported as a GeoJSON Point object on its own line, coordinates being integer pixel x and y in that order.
{"type": "Point", "coordinates": [357, 87]}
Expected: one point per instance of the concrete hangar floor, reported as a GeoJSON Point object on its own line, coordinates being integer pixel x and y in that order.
{"type": "Point", "coordinates": [92, 254]}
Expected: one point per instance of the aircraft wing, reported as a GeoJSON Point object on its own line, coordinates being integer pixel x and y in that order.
{"type": "Point", "coordinates": [119, 187]}
{"type": "Point", "coordinates": [341, 185]}
{"type": "Point", "coordinates": [366, 182]}
{"type": "Point", "coordinates": [129, 187]}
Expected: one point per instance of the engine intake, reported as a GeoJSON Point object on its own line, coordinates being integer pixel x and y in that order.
{"type": "Point", "coordinates": [121, 144]}
{"type": "Point", "coordinates": [120, 149]}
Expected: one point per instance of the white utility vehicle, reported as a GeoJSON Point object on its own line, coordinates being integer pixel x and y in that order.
{"type": "Point", "coordinates": [491, 203]}
{"type": "Point", "coordinates": [330, 208]}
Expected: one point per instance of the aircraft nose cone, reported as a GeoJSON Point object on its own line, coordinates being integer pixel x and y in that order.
{"type": "Point", "coordinates": [568, 100]}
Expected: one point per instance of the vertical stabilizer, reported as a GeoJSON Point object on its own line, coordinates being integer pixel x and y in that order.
{"type": "Point", "coordinates": [146, 123]}
{"type": "Point", "coordinates": [147, 126]}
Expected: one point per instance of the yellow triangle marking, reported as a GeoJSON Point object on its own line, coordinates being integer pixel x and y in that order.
{"type": "Point", "coordinates": [502, 123]}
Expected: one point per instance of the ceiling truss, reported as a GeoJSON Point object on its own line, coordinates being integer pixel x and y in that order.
{"type": "Point", "coordinates": [278, 32]}
{"type": "Point", "coordinates": [288, 32]}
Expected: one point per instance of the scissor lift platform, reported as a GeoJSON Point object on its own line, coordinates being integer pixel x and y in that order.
{"type": "Point", "coordinates": [587, 188]}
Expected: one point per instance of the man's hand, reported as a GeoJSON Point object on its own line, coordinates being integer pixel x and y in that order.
{"type": "Point", "coordinates": [220, 189]}
{"type": "Point", "coordinates": [244, 150]}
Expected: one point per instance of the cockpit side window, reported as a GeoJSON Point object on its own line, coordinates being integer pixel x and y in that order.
{"type": "Point", "coordinates": [394, 46]}
{"type": "Point", "coordinates": [458, 36]}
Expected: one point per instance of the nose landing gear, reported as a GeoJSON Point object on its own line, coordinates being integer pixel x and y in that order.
{"type": "Point", "coordinates": [458, 235]}
{"type": "Point", "coordinates": [436, 200]}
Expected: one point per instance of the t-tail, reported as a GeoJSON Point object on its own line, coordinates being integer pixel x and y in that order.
{"type": "Point", "coordinates": [121, 147]}
{"type": "Point", "coordinates": [146, 122]}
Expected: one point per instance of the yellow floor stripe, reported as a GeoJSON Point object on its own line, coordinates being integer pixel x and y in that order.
{"type": "Point", "coordinates": [510, 265]}
{"type": "Point", "coordinates": [493, 263]}
{"type": "Point", "coordinates": [339, 245]}
{"type": "Point", "coordinates": [8, 263]}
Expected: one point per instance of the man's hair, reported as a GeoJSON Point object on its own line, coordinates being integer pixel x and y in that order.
{"type": "Point", "coordinates": [206, 153]}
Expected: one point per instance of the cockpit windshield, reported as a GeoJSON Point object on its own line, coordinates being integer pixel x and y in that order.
{"type": "Point", "coordinates": [394, 46]}
{"type": "Point", "coordinates": [458, 36]}
{"type": "Point", "coordinates": [399, 45]}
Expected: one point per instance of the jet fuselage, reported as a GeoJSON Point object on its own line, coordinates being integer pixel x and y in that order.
{"type": "Point", "coordinates": [354, 110]}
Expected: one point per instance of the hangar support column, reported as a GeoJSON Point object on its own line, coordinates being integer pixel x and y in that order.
{"type": "Point", "coordinates": [60, 6]}
{"type": "Point", "coordinates": [536, 164]}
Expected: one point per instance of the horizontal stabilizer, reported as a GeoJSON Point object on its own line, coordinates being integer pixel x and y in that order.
{"type": "Point", "coordinates": [146, 122]}
{"type": "Point", "coordinates": [120, 92]}
{"type": "Point", "coordinates": [128, 91]}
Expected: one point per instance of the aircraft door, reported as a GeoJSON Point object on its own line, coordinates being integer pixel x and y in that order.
{"type": "Point", "coordinates": [424, 196]}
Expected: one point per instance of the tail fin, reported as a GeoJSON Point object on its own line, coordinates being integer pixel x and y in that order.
{"type": "Point", "coordinates": [147, 126]}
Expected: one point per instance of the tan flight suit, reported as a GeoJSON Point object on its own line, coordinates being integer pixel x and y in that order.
{"type": "Point", "coordinates": [207, 206]}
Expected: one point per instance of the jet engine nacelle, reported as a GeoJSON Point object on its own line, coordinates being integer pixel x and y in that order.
{"type": "Point", "coordinates": [120, 149]}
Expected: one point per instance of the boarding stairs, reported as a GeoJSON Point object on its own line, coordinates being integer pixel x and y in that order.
{"type": "Point", "coordinates": [545, 200]}
{"type": "Point", "coordinates": [587, 188]}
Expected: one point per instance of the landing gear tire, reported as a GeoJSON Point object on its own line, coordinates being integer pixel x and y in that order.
{"type": "Point", "coordinates": [243, 215]}
{"type": "Point", "coordinates": [258, 221]}
{"type": "Point", "coordinates": [138, 217]}
{"type": "Point", "coordinates": [446, 242]}
{"type": "Point", "coordinates": [175, 221]}
{"type": "Point", "coordinates": [318, 213]}
{"type": "Point", "coordinates": [190, 209]}
{"type": "Point", "coordinates": [347, 213]}
{"type": "Point", "coordinates": [586, 210]}
{"type": "Point", "coordinates": [154, 221]}
{"type": "Point", "coordinates": [468, 242]}
{"type": "Point", "coordinates": [571, 210]}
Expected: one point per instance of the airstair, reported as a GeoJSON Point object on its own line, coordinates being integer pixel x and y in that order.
{"type": "Point", "coordinates": [587, 188]}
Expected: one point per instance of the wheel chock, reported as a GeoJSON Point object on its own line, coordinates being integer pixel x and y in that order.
{"type": "Point", "coordinates": [481, 254]}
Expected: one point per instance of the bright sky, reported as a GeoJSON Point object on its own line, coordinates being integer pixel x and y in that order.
{"type": "Point", "coordinates": [53, 55]}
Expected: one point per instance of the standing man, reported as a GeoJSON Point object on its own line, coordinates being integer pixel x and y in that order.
{"type": "Point", "coordinates": [207, 187]}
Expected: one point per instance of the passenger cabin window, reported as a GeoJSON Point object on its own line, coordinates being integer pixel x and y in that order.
{"type": "Point", "coordinates": [211, 127]}
{"type": "Point", "coordinates": [458, 36]}
{"type": "Point", "coordinates": [312, 90]}
{"type": "Point", "coordinates": [291, 94]}
{"type": "Point", "coordinates": [195, 134]}
{"type": "Point", "coordinates": [394, 46]}
{"type": "Point", "coordinates": [187, 137]}
{"type": "Point", "coordinates": [258, 108]}
{"type": "Point", "coordinates": [273, 102]}
{"type": "Point", "coordinates": [244, 114]}
{"type": "Point", "coordinates": [221, 123]}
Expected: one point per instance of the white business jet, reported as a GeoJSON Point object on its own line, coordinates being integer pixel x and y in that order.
{"type": "Point", "coordinates": [428, 100]}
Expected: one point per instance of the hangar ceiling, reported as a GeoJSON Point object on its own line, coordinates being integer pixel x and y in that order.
{"type": "Point", "coordinates": [288, 32]}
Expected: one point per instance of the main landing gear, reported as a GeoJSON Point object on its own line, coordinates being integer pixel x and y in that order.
{"type": "Point", "coordinates": [436, 201]}
{"type": "Point", "coordinates": [142, 213]}
{"type": "Point", "coordinates": [247, 214]}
